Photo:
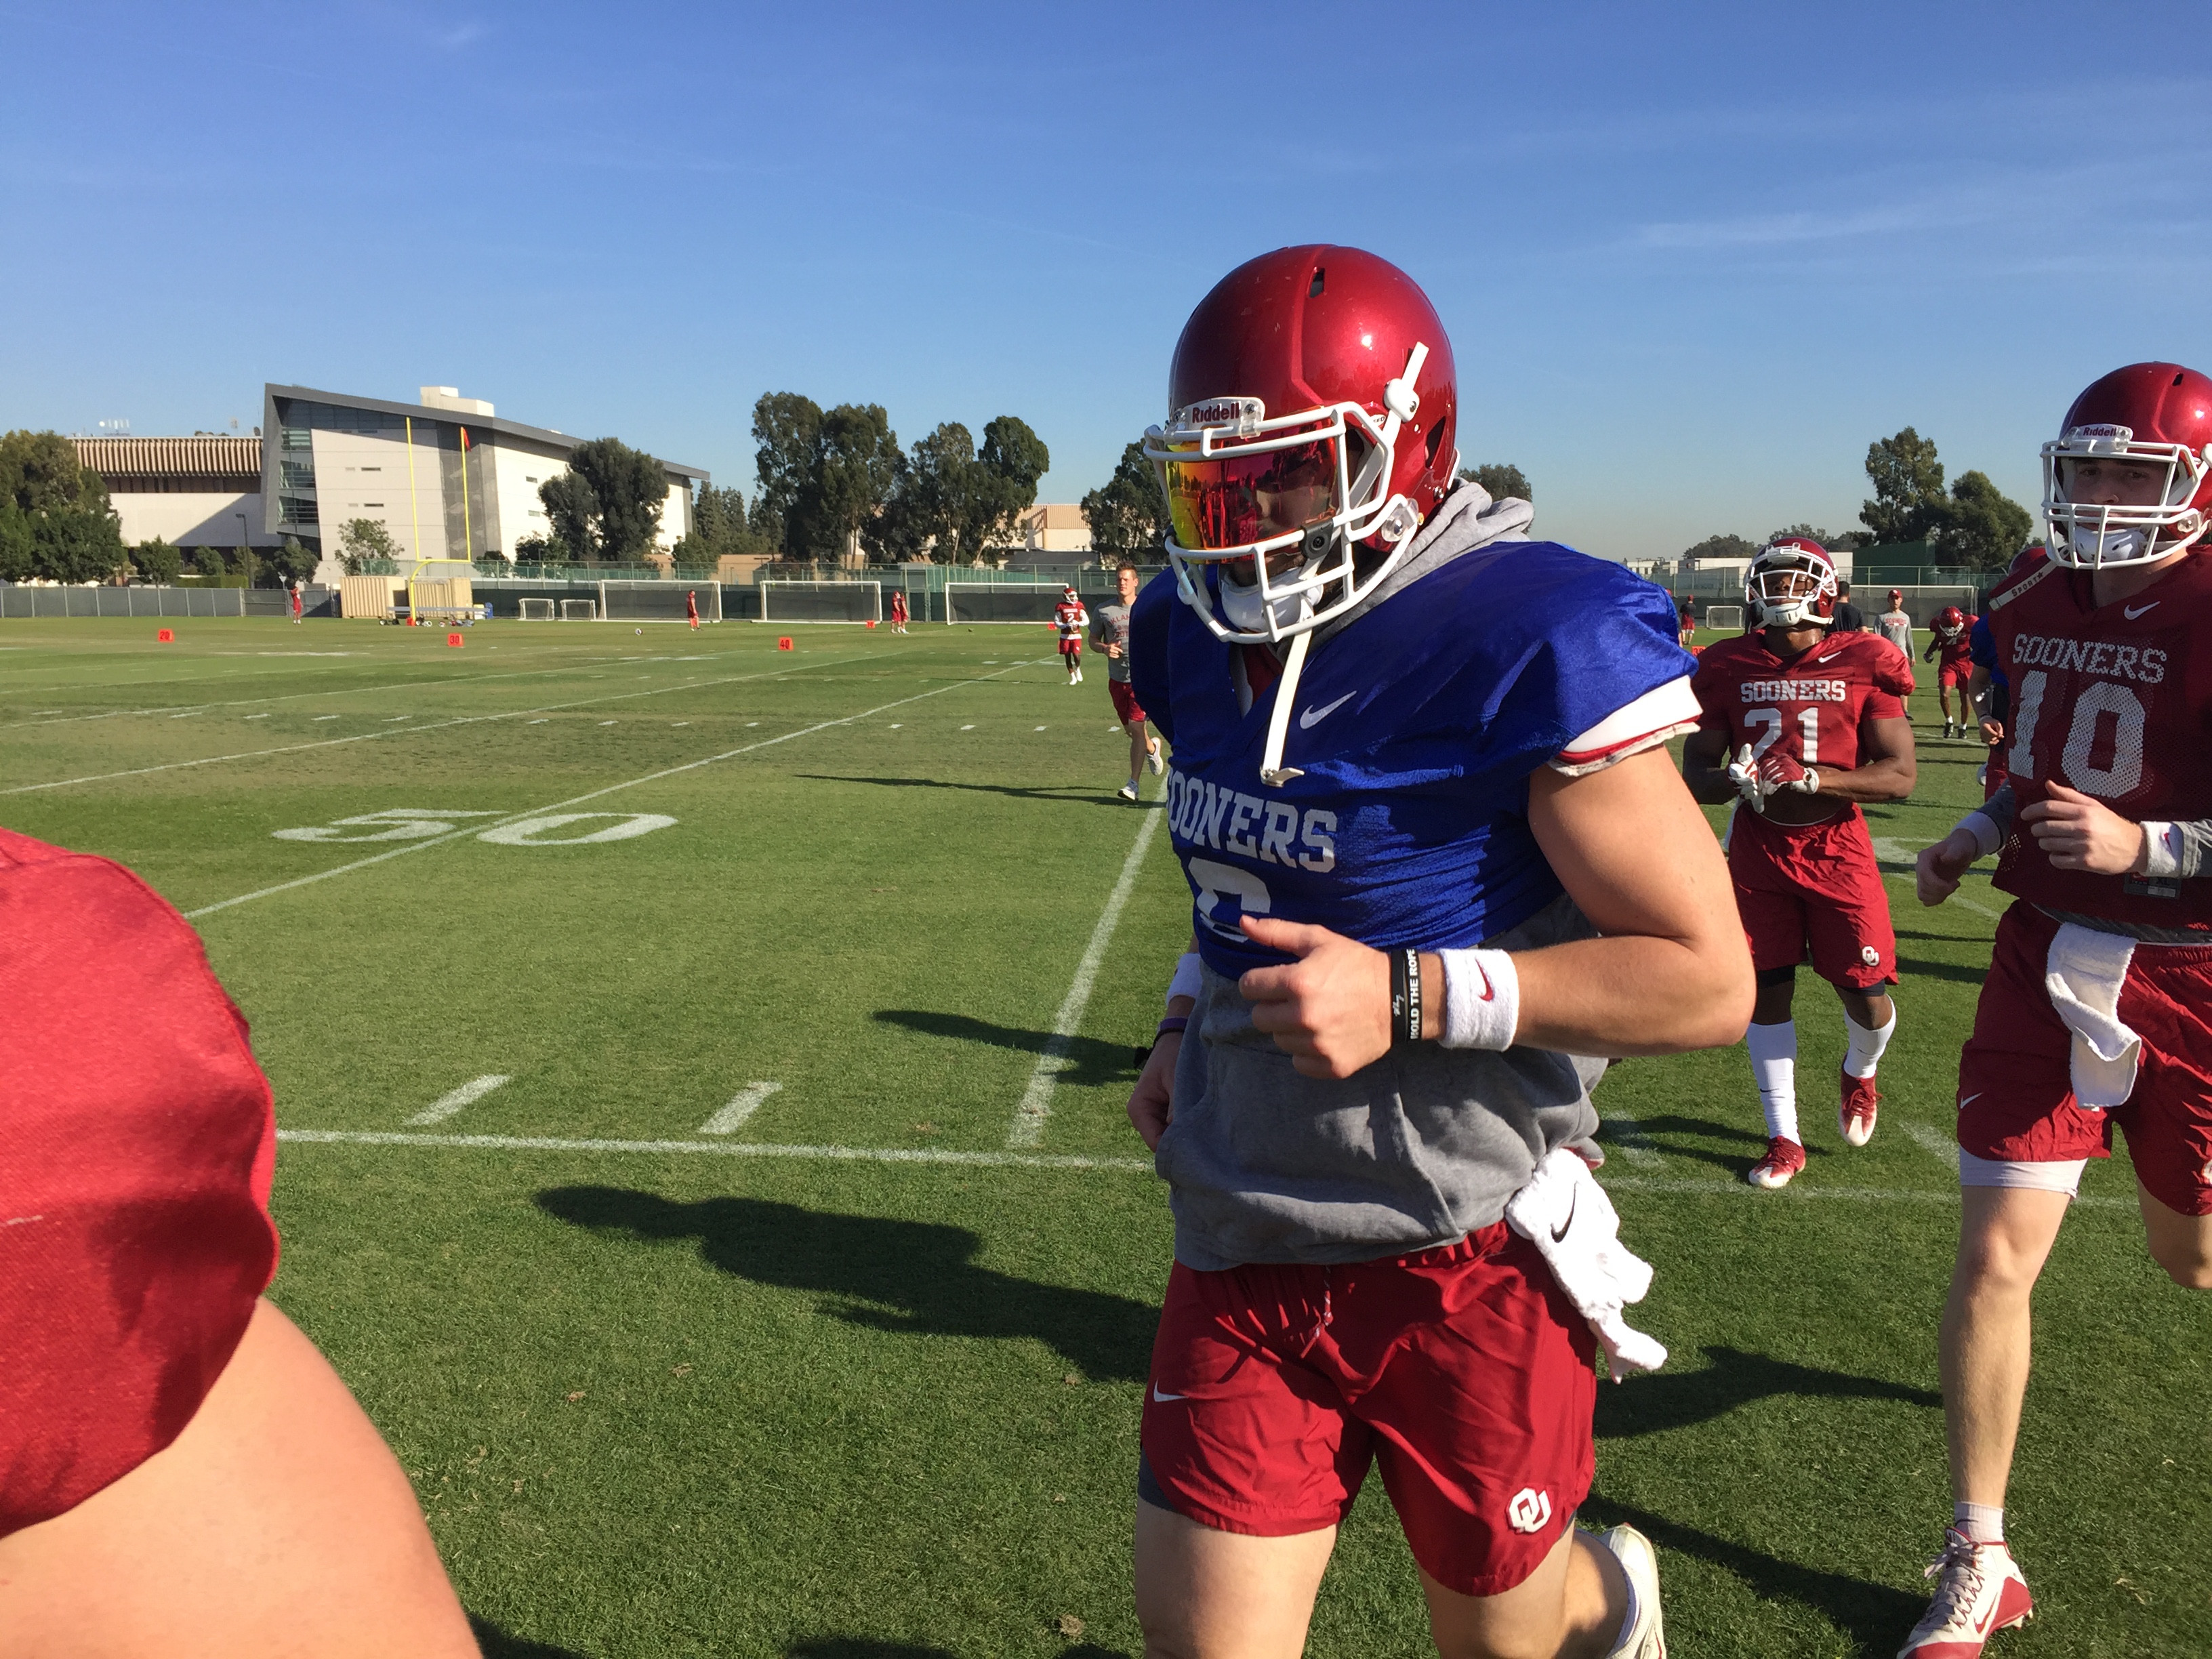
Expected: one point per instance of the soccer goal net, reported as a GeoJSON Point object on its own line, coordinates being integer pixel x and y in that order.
{"type": "Point", "coordinates": [536, 609]}
{"type": "Point", "coordinates": [1724, 618]}
{"type": "Point", "coordinates": [987, 601]}
{"type": "Point", "coordinates": [578, 610]}
{"type": "Point", "coordinates": [791, 601]}
{"type": "Point", "coordinates": [659, 601]}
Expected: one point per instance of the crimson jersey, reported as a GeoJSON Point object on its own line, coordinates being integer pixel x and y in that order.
{"type": "Point", "coordinates": [1957, 654]}
{"type": "Point", "coordinates": [1815, 704]}
{"type": "Point", "coordinates": [1070, 620]}
{"type": "Point", "coordinates": [2116, 702]}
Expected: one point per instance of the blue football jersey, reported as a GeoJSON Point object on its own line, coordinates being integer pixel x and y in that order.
{"type": "Point", "coordinates": [1416, 728]}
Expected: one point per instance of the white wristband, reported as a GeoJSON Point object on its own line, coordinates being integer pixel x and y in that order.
{"type": "Point", "coordinates": [1482, 999]}
{"type": "Point", "coordinates": [2163, 845]}
{"type": "Point", "coordinates": [1983, 829]}
{"type": "Point", "coordinates": [1186, 982]}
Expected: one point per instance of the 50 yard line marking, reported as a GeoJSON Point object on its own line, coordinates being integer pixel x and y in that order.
{"type": "Point", "coordinates": [577, 801]}
{"type": "Point", "coordinates": [1028, 1127]}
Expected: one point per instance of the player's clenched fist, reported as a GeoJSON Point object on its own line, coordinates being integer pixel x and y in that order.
{"type": "Point", "coordinates": [1942, 865]}
{"type": "Point", "coordinates": [1329, 1010]}
{"type": "Point", "coordinates": [1151, 1103]}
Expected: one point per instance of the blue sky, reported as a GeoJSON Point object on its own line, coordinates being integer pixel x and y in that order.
{"type": "Point", "coordinates": [1692, 259]}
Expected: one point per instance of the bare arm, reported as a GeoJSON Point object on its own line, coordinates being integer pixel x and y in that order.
{"type": "Point", "coordinates": [1889, 770]}
{"type": "Point", "coordinates": [1705, 766]}
{"type": "Point", "coordinates": [276, 1523]}
{"type": "Point", "coordinates": [1633, 850]}
{"type": "Point", "coordinates": [1151, 1103]}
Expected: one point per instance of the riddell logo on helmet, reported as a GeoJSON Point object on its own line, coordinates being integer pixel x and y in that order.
{"type": "Point", "coordinates": [1245, 413]}
{"type": "Point", "coordinates": [2117, 434]}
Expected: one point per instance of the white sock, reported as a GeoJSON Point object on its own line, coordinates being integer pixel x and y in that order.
{"type": "Point", "coordinates": [1980, 1523]}
{"type": "Point", "coordinates": [1862, 1047]}
{"type": "Point", "coordinates": [1774, 1067]}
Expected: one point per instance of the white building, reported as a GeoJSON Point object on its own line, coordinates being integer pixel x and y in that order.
{"type": "Point", "coordinates": [191, 492]}
{"type": "Point", "coordinates": [445, 476]}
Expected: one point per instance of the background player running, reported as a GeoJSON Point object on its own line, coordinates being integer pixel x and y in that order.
{"type": "Point", "coordinates": [2097, 1010]}
{"type": "Point", "coordinates": [1801, 725]}
{"type": "Point", "coordinates": [1069, 618]}
{"type": "Point", "coordinates": [1953, 643]}
{"type": "Point", "coordinates": [1109, 632]}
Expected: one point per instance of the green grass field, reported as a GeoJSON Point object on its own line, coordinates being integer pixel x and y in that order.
{"type": "Point", "coordinates": [854, 1379]}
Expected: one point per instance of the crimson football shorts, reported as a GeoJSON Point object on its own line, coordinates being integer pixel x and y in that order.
{"type": "Point", "coordinates": [1814, 892]}
{"type": "Point", "coordinates": [1126, 706]}
{"type": "Point", "coordinates": [1070, 648]}
{"type": "Point", "coordinates": [2016, 1101]}
{"type": "Point", "coordinates": [134, 1178]}
{"type": "Point", "coordinates": [1954, 674]}
{"type": "Point", "coordinates": [1464, 1372]}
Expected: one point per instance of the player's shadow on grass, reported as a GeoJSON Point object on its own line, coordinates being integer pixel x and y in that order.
{"type": "Point", "coordinates": [1087, 795]}
{"type": "Point", "coordinates": [1679, 1399]}
{"type": "Point", "coordinates": [851, 1647]}
{"type": "Point", "coordinates": [915, 1277]}
{"type": "Point", "coordinates": [1089, 1061]}
{"type": "Point", "coordinates": [1956, 970]}
{"type": "Point", "coordinates": [1875, 1615]}
{"type": "Point", "coordinates": [500, 1645]}
{"type": "Point", "coordinates": [1666, 1132]}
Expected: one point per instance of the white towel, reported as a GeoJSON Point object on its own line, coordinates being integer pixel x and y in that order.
{"type": "Point", "coordinates": [2083, 975]}
{"type": "Point", "coordinates": [1567, 1215]}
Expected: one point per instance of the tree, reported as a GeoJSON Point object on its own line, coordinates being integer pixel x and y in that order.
{"type": "Point", "coordinates": [1127, 516]}
{"type": "Point", "coordinates": [39, 472]}
{"type": "Point", "coordinates": [787, 429]}
{"type": "Point", "coordinates": [361, 540]}
{"type": "Point", "coordinates": [629, 488]}
{"type": "Point", "coordinates": [157, 561]}
{"type": "Point", "coordinates": [1847, 541]}
{"type": "Point", "coordinates": [1908, 488]}
{"type": "Point", "coordinates": [1721, 547]}
{"type": "Point", "coordinates": [572, 509]}
{"type": "Point", "coordinates": [207, 561]}
{"type": "Point", "coordinates": [857, 465]}
{"type": "Point", "coordinates": [1502, 480]}
{"type": "Point", "coordinates": [291, 562]}
{"type": "Point", "coordinates": [930, 507]}
{"type": "Point", "coordinates": [1013, 458]}
{"type": "Point", "coordinates": [18, 553]}
{"type": "Point", "coordinates": [65, 530]}
{"type": "Point", "coordinates": [1983, 528]}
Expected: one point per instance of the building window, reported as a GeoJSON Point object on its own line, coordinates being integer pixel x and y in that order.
{"type": "Point", "coordinates": [296, 475]}
{"type": "Point", "coordinates": [297, 509]}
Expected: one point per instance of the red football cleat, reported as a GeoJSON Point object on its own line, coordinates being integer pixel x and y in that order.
{"type": "Point", "coordinates": [1854, 1117]}
{"type": "Point", "coordinates": [1979, 1592]}
{"type": "Point", "coordinates": [1784, 1157]}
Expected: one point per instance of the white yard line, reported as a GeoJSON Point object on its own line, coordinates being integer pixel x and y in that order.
{"type": "Point", "coordinates": [1620, 1130]}
{"type": "Point", "coordinates": [577, 801]}
{"type": "Point", "coordinates": [1028, 1127]}
{"type": "Point", "coordinates": [447, 1104]}
{"type": "Point", "coordinates": [434, 726]}
{"type": "Point", "coordinates": [725, 1148]}
{"type": "Point", "coordinates": [1938, 1146]}
{"type": "Point", "coordinates": [743, 1104]}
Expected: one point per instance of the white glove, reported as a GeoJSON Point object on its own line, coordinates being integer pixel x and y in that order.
{"type": "Point", "coordinates": [1743, 773]}
{"type": "Point", "coordinates": [1567, 1215]}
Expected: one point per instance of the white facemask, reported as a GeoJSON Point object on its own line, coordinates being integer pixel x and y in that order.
{"type": "Point", "coordinates": [1243, 610]}
{"type": "Point", "coordinates": [2116, 543]}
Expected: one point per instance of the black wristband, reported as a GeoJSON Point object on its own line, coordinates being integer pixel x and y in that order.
{"type": "Point", "coordinates": [1404, 997]}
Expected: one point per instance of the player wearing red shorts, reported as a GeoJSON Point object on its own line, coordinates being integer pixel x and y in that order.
{"type": "Point", "coordinates": [1436, 848]}
{"type": "Point", "coordinates": [1070, 619]}
{"type": "Point", "coordinates": [1801, 725]}
{"type": "Point", "coordinates": [899, 611]}
{"type": "Point", "coordinates": [1951, 642]}
{"type": "Point", "coordinates": [1110, 631]}
{"type": "Point", "coordinates": [2097, 1010]}
{"type": "Point", "coordinates": [180, 1472]}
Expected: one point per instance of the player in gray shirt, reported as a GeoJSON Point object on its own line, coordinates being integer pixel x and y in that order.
{"type": "Point", "coordinates": [1109, 632]}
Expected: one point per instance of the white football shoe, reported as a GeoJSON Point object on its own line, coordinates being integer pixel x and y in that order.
{"type": "Point", "coordinates": [1128, 791]}
{"type": "Point", "coordinates": [1153, 760]}
{"type": "Point", "coordinates": [1645, 1636]}
{"type": "Point", "coordinates": [1979, 1590]}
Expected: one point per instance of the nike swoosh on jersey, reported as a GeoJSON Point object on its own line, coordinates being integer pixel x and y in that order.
{"type": "Point", "coordinates": [2132, 612]}
{"type": "Point", "coordinates": [1314, 717]}
{"type": "Point", "coordinates": [1165, 1399]}
{"type": "Point", "coordinates": [1970, 1099]}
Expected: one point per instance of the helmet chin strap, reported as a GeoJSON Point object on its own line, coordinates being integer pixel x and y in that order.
{"type": "Point", "coordinates": [1272, 772]}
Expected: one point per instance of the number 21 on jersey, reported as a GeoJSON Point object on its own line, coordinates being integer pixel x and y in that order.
{"type": "Point", "coordinates": [1808, 731]}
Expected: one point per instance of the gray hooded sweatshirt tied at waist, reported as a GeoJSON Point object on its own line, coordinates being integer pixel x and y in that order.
{"type": "Point", "coordinates": [1416, 1150]}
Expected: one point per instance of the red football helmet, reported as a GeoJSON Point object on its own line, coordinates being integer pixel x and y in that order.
{"type": "Point", "coordinates": [1312, 410]}
{"type": "Point", "coordinates": [2143, 431]}
{"type": "Point", "coordinates": [1950, 621]}
{"type": "Point", "coordinates": [1791, 583]}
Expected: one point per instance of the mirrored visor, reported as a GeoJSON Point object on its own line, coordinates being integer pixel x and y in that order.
{"type": "Point", "coordinates": [1234, 500]}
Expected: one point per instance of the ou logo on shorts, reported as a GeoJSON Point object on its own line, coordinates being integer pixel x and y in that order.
{"type": "Point", "coordinates": [1530, 1510]}
{"type": "Point", "coordinates": [1869, 956]}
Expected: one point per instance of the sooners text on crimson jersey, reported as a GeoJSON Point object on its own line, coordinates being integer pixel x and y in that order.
{"type": "Point", "coordinates": [2116, 701]}
{"type": "Point", "coordinates": [1812, 704]}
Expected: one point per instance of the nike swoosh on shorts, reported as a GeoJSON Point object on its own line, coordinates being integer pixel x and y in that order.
{"type": "Point", "coordinates": [1166, 1399]}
